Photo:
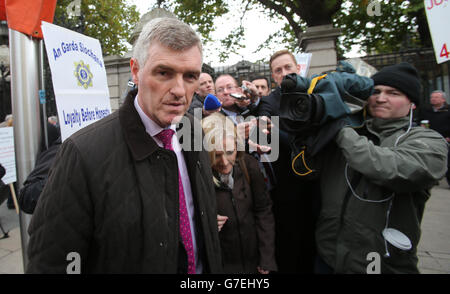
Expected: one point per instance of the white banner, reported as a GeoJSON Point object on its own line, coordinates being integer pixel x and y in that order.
{"type": "Point", "coordinates": [7, 155]}
{"type": "Point", "coordinates": [304, 59]}
{"type": "Point", "coordinates": [438, 12]}
{"type": "Point", "coordinates": [79, 78]}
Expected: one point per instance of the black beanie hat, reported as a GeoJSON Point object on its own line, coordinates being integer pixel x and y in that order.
{"type": "Point", "coordinates": [402, 76]}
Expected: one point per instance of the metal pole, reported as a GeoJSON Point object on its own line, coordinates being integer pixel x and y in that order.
{"type": "Point", "coordinates": [24, 55]}
{"type": "Point", "coordinates": [42, 87]}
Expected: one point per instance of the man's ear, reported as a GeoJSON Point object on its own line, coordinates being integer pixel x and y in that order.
{"type": "Point", "coordinates": [299, 67]}
{"type": "Point", "coordinates": [413, 106]}
{"type": "Point", "coordinates": [134, 65]}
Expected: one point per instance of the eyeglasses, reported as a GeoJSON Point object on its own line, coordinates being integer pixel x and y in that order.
{"type": "Point", "coordinates": [228, 88]}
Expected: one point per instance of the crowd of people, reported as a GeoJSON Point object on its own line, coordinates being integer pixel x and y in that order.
{"type": "Point", "coordinates": [123, 195]}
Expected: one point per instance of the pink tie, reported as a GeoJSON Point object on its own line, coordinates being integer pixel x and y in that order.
{"type": "Point", "coordinates": [185, 229]}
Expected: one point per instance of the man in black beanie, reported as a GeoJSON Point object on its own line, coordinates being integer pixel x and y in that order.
{"type": "Point", "coordinates": [403, 77]}
{"type": "Point", "coordinates": [375, 180]}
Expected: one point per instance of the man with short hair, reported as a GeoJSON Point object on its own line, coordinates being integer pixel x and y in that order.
{"type": "Point", "coordinates": [438, 116]}
{"type": "Point", "coordinates": [236, 109]}
{"type": "Point", "coordinates": [375, 181]}
{"type": "Point", "coordinates": [261, 84]}
{"type": "Point", "coordinates": [122, 195]}
{"type": "Point", "coordinates": [206, 86]}
{"type": "Point", "coordinates": [282, 63]}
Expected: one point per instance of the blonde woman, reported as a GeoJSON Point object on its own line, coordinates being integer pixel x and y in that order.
{"type": "Point", "coordinates": [245, 219]}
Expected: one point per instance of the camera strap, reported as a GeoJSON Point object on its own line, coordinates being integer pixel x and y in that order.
{"type": "Point", "coordinates": [314, 82]}
{"type": "Point", "coordinates": [308, 170]}
{"type": "Point", "coordinates": [302, 153]}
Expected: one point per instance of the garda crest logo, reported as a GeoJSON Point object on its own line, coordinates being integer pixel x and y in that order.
{"type": "Point", "coordinates": [83, 74]}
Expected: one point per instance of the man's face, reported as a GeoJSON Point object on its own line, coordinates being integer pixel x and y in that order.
{"type": "Point", "coordinates": [282, 66]}
{"type": "Point", "coordinates": [167, 82]}
{"type": "Point", "coordinates": [437, 100]}
{"type": "Point", "coordinates": [262, 87]}
{"type": "Point", "coordinates": [387, 103]}
{"type": "Point", "coordinates": [206, 85]}
{"type": "Point", "coordinates": [226, 85]}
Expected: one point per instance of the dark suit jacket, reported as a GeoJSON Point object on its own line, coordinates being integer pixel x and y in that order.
{"type": "Point", "coordinates": [112, 197]}
{"type": "Point", "coordinates": [293, 205]}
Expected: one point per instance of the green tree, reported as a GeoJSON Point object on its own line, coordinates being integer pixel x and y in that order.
{"type": "Point", "coordinates": [401, 25]}
{"type": "Point", "coordinates": [384, 26]}
{"type": "Point", "coordinates": [109, 21]}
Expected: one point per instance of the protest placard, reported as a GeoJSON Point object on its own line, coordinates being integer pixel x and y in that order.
{"type": "Point", "coordinates": [304, 60]}
{"type": "Point", "coordinates": [438, 12]}
{"type": "Point", "coordinates": [7, 155]}
{"type": "Point", "coordinates": [79, 78]}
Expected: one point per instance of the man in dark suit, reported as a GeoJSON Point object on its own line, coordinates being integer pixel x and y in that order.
{"type": "Point", "coordinates": [292, 197]}
{"type": "Point", "coordinates": [206, 86]}
{"type": "Point", "coordinates": [438, 116]}
{"type": "Point", "coordinates": [123, 195]}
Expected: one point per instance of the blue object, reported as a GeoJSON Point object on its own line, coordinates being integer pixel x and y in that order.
{"type": "Point", "coordinates": [42, 98]}
{"type": "Point", "coordinates": [211, 102]}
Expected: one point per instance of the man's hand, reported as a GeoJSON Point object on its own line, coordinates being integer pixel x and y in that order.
{"type": "Point", "coordinates": [253, 94]}
{"type": "Point", "coordinates": [242, 103]}
{"type": "Point", "coordinates": [261, 149]}
{"type": "Point", "coordinates": [267, 127]}
{"type": "Point", "coordinates": [221, 220]}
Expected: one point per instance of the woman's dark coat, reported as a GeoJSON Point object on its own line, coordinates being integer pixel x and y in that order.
{"type": "Point", "coordinates": [248, 236]}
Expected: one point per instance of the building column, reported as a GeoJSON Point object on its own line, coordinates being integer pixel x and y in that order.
{"type": "Point", "coordinates": [321, 42]}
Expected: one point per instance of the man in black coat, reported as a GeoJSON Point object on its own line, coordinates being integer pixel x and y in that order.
{"type": "Point", "coordinates": [206, 86]}
{"type": "Point", "coordinates": [438, 116]}
{"type": "Point", "coordinates": [124, 195]}
{"type": "Point", "coordinates": [292, 197]}
{"type": "Point", "coordinates": [36, 180]}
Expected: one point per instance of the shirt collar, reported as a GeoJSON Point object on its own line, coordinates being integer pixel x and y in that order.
{"type": "Point", "coordinates": [229, 112]}
{"type": "Point", "coordinates": [151, 127]}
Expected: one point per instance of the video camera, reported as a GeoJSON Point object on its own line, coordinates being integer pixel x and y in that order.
{"type": "Point", "coordinates": [313, 110]}
{"type": "Point", "coordinates": [298, 109]}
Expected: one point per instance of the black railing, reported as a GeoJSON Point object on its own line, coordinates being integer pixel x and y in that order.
{"type": "Point", "coordinates": [245, 70]}
{"type": "Point", "coordinates": [434, 76]}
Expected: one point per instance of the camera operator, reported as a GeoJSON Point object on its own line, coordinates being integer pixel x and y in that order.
{"type": "Point", "coordinates": [375, 181]}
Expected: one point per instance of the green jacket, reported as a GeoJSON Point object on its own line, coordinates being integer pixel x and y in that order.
{"type": "Point", "coordinates": [348, 228]}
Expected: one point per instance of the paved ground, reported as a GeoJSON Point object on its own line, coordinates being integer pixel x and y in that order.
{"type": "Point", "coordinates": [10, 248]}
{"type": "Point", "coordinates": [434, 246]}
{"type": "Point", "coordinates": [433, 251]}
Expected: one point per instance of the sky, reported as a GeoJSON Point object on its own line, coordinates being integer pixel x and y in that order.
{"type": "Point", "coordinates": [257, 27]}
